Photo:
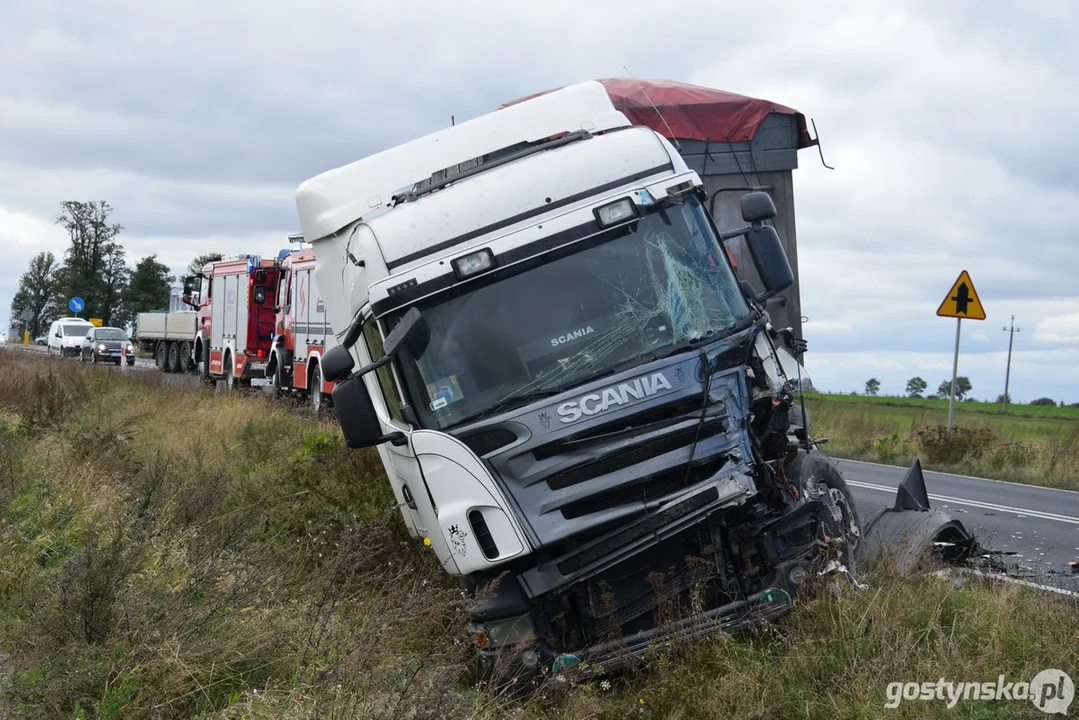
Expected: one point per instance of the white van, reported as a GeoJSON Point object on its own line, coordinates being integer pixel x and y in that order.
{"type": "Point", "coordinates": [66, 335]}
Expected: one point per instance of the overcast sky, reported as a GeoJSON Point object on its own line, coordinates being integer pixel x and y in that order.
{"type": "Point", "coordinates": [952, 127]}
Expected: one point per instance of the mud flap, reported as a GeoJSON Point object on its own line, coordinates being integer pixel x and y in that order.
{"type": "Point", "coordinates": [910, 530]}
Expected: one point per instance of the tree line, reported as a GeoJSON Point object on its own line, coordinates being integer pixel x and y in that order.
{"type": "Point", "coordinates": [94, 267]}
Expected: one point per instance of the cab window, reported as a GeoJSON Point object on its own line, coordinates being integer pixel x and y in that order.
{"type": "Point", "coordinates": [373, 339]}
{"type": "Point", "coordinates": [283, 289]}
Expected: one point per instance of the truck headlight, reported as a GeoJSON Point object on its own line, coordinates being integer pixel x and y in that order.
{"type": "Point", "coordinates": [616, 212]}
{"type": "Point", "coordinates": [101, 346]}
{"type": "Point", "coordinates": [502, 633]}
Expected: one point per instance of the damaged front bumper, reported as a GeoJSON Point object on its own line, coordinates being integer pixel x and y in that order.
{"type": "Point", "coordinates": [509, 645]}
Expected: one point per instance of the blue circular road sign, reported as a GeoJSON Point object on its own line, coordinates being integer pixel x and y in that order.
{"type": "Point", "coordinates": [76, 304]}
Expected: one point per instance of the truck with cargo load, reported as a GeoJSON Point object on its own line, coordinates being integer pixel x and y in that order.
{"type": "Point", "coordinates": [228, 333]}
{"type": "Point", "coordinates": [579, 406]}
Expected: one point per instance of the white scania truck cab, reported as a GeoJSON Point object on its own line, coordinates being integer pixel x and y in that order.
{"type": "Point", "coordinates": [576, 402]}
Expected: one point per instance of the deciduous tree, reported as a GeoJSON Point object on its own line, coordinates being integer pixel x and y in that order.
{"type": "Point", "coordinates": [35, 293]}
{"type": "Point", "coordinates": [93, 266]}
{"type": "Point", "coordinates": [916, 386]}
{"type": "Point", "coordinates": [148, 289]}
{"type": "Point", "coordinates": [962, 387]}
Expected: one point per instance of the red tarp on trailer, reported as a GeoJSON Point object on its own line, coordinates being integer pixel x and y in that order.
{"type": "Point", "coordinates": [692, 112]}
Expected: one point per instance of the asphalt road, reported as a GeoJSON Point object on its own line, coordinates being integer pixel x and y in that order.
{"type": "Point", "coordinates": [1039, 525]}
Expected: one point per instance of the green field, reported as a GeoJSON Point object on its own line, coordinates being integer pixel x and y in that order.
{"type": "Point", "coordinates": [169, 552]}
{"type": "Point", "coordinates": [1031, 444]}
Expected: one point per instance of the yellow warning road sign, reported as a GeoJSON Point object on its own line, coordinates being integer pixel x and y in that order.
{"type": "Point", "coordinates": [962, 301]}
{"type": "Point", "coordinates": [96, 322]}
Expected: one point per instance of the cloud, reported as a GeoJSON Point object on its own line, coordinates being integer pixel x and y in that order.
{"type": "Point", "coordinates": [950, 126]}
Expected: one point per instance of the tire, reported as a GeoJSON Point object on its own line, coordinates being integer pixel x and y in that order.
{"type": "Point", "coordinates": [161, 356]}
{"type": "Point", "coordinates": [93, 358]}
{"type": "Point", "coordinates": [174, 357]}
{"type": "Point", "coordinates": [119, 362]}
{"type": "Point", "coordinates": [230, 374]}
{"type": "Point", "coordinates": [314, 389]}
{"type": "Point", "coordinates": [820, 467]}
{"type": "Point", "coordinates": [275, 377]}
{"type": "Point", "coordinates": [203, 364]}
{"type": "Point", "coordinates": [131, 362]}
{"type": "Point", "coordinates": [185, 357]}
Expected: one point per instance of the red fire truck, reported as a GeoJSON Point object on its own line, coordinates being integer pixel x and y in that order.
{"type": "Point", "coordinates": [302, 333]}
{"type": "Point", "coordinates": [229, 333]}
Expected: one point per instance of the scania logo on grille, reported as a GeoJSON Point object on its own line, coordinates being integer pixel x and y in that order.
{"type": "Point", "coordinates": [613, 396]}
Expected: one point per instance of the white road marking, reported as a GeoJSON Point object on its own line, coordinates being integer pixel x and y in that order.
{"type": "Point", "coordinates": [968, 477]}
{"type": "Point", "coordinates": [1025, 583]}
{"type": "Point", "coordinates": [1021, 512]}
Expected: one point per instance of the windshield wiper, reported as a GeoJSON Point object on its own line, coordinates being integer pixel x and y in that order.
{"type": "Point", "coordinates": [708, 337]}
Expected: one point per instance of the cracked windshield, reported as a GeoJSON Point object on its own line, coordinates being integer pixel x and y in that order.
{"type": "Point", "coordinates": [632, 293]}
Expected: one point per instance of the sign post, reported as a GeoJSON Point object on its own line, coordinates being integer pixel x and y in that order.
{"type": "Point", "coordinates": [26, 316]}
{"type": "Point", "coordinates": [961, 302]}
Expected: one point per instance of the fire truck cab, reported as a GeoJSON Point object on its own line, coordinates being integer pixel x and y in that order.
{"type": "Point", "coordinates": [302, 333]}
{"type": "Point", "coordinates": [235, 322]}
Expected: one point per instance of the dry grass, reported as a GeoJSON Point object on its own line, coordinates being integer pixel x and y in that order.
{"type": "Point", "coordinates": [172, 553]}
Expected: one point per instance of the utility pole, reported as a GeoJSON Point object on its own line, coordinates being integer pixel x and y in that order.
{"type": "Point", "coordinates": [1008, 372]}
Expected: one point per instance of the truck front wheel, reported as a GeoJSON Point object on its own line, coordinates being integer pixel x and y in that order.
{"type": "Point", "coordinates": [203, 363]}
{"type": "Point", "coordinates": [230, 373]}
{"type": "Point", "coordinates": [315, 388]}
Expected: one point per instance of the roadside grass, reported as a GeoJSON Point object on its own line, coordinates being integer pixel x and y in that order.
{"type": "Point", "coordinates": [1039, 446]}
{"type": "Point", "coordinates": [169, 552]}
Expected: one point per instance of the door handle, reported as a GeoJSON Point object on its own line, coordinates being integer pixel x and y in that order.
{"type": "Point", "coordinates": [409, 500]}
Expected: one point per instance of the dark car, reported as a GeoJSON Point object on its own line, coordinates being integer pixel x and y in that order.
{"type": "Point", "coordinates": [107, 344]}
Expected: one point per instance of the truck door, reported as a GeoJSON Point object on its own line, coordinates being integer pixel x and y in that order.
{"type": "Point", "coordinates": [243, 311]}
{"type": "Point", "coordinates": [400, 462]}
{"type": "Point", "coordinates": [284, 309]}
{"type": "Point", "coordinates": [299, 338]}
{"type": "Point", "coordinates": [218, 308]}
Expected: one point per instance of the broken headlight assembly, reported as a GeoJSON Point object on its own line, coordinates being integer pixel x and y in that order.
{"type": "Point", "coordinates": [502, 633]}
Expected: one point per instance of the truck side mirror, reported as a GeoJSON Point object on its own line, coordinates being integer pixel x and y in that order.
{"type": "Point", "coordinates": [192, 284]}
{"type": "Point", "coordinates": [259, 294]}
{"type": "Point", "coordinates": [356, 413]}
{"type": "Point", "coordinates": [770, 259]}
{"type": "Point", "coordinates": [757, 207]}
{"type": "Point", "coordinates": [336, 363]}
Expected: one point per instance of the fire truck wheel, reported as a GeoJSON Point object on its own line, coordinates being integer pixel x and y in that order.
{"type": "Point", "coordinates": [275, 375]}
{"type": "Point", "coordinates": [185, 357]}
{"type": "Point", "coordinates": [174, 357]}
{"type": "Point", "coordinates": [204, 363]}
{"type": "Point", "coordinates": [161, 356]}
{"type": "Point", "coordinates": [315, 388]}
{"type": "Point", "coordinates": [230, 373]}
